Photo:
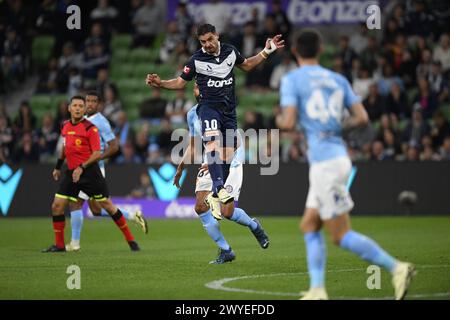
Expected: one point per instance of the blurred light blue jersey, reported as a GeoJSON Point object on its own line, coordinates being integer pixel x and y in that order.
{"type": "Point", "coordinates": [195, 130]}
{"type": "Point", "coordinates": [104, 128]}
{"type": "Point", "coordinates": [320, 96]}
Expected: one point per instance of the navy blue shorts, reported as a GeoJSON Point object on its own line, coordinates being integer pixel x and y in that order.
{"type": "Point", "coordinates": [218, 120]}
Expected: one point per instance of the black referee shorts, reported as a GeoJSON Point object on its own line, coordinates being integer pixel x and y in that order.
{"type": "Point", "coordinates": [91, 182]}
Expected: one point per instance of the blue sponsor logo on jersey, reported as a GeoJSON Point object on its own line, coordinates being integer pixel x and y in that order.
{"type": "Point", "coordinates": [8, 186]}
{"type": "Point", "coordinates": [163, 183]}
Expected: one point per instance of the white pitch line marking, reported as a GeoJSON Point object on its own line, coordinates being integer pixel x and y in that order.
{"type": "Point", "coordinates": [220, 285]}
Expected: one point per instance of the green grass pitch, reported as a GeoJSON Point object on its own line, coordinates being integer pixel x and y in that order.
{"type": "Point", "coordinates": [173, 263]}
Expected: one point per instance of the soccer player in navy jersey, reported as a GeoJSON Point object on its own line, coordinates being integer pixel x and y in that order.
{"type": "Point", "coordinates": [212, 67]}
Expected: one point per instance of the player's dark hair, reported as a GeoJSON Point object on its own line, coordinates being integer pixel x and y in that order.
{"type": "Point", "coordinates": [95, 94]}
{"type": "Point", "coordinates": [77, 97]}
{"type": "Point", "coordinates": [308, 43]}
{"type": "Point", "coordinates": [205, 28]}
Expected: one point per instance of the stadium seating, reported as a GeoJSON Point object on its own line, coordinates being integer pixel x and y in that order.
{"type": "Point", "coordinates": [41, 50]}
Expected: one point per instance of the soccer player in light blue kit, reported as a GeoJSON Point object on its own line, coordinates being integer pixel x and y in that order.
{"type": "Point", "coordinates": [109, 146]}
{"type": "Point", "coordinates": [319, 98]}
{"type": "Point", "coordinates": [203, 188]}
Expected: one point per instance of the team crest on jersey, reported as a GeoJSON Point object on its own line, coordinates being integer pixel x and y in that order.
{"type": "Point", "coordinates": [229, 188]}
{"type": "Point", "coordinates": [78, 142]}
{"type": "Point", "coordinates": [186, 69]}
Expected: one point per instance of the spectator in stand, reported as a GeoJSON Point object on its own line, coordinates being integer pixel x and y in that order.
{"type": "Point", "coordinates": [45, 18]}
{"type": "Point", "coordinates": [142, 144]}
{"type": "Point", "coordinates": [68, 58]}
{"type": "Point", "coordinates": [218, 14]}
{"type": "Point", "coordinates": [399, 16]}
{"type": "Point", "coordinates": [164, 140]}
{"type": "Point", "coordinates": [360, 40]}
{"type": "Point", "coordinates": [444, 151]}
{"type": "Point", "coordinates": [348, 55]}
{"type": "Point", "coordinates": [419, 20]}
{"type": "Point", "coordinates": [378, 153]}
{"type": "Point", "coordinates": [62, 114]}
{"type": "Point", "coordinates": [6, 139]}
{"type": "Point", "coordinates": [98, 36]}
{"type": "Point", "coordinates": [145, 189]}
{"type": "Point", "coordinates": [183, 19]}
{"type": "Point", "coordinates": [412, 153]}
{"type": "Point", "coordinates": [442, 53]}
{"type": "Point", "coordinates": [440, 129]}
{"type": "Point", "coordinates": [418, 45]}
{"type": "Point", "coordinates": [154, 107]}
{"type": "Point", "coordinates": [4, 114]}
{"type": "Point", "coordinates": [26, 120]}
{"type": "Point", "coordinates": [49, 80]}
{"type": "Point", "coordinates": [362, 83]}
{"type": "Point", "coordinates": [247, 41]}
{"type": "Point", "coordinates": [397, 102]}
{"type": "Point", "coordinates": [112, 103]}
{"type": "Point", "coordinates": [415, 130]}
{"type": "Point", "coordinates": [47, 137]}
{"type": "Point", "coordinates": [387, 79]}
{"type": "Point", "coordinates": [259, 77]}
{"type": "Point", "coordinates": [391, 31]}
{"type": "Point", "coordinates": [103, 81]}
{"type": "Point", "coordinates": [177, 109]}
{"type": "Point", "coordinates": [147, 22]}
{"type": "Point", "coordinates": [95, 58]}
{"type": "Point", "coordinates": [287, 64]}
{"type": "Point", "coordinates": [105, 14]}
{"type": "Point", "coordinates": [391, 146]}
{"type": "Point", "coordinates": [171, 40]}
{"type": "Point", "coordinates": [374, 103]}
{"type": "Point", "coordinates": [75, 82]}
{"type": "Point", "coordinates": [368, 56]}
{"type": "Point", "coordinates": [28, 151]}
{"type": "Point", "coordinates": [439, 85]}
{"type": "Point", "coordinates": [180, 55]}
{"type": "Point", "coordinates": [123, 130]}
{"type": "Point", "coordinates": [283, 24]}
{"type": "Point", "coordinates": [12, 56]}
{"type": "Point", "coordinates": [424, 68]}
{"type": "Point", "coordinates": [428, 153]}
{"type": "Point", "coordinates": [425, 99]}
{"type": "Point", "coordinates": [128, 155]}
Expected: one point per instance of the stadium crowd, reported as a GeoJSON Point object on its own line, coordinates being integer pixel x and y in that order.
{"type": "Point", "coordinates": [401, 72]}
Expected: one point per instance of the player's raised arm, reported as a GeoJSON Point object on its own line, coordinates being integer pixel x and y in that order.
{"type": "Point", "coordinates": [155, 81]}
{"type": "Point", "coordinates": [272, 44]}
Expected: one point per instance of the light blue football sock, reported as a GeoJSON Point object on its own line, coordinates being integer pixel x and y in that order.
{"type": "Point", "coordinates": [211, 226]}
{"type": "Point", "coordinates": [126, 214]}
{"type": "Point", "coordinates": [241, 217]}
{"type": "Point", "coordinates": [76, 220]}
{"type": "Point", "coordinates": [368, 250]}
{"type": "Point", "coordinates": [316, 257]}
